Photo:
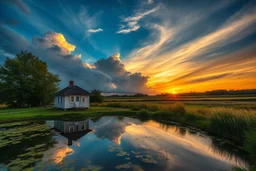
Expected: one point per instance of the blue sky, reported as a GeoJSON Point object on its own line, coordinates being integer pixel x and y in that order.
{"type": "Point", "coordinates": [146, 45]}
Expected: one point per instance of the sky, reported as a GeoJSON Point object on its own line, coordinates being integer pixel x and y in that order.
{"type": "Point", "coordinates": [145, 46]}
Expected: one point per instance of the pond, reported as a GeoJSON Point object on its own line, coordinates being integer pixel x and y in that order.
{"type": "Point", "coordinates": [111, 143]}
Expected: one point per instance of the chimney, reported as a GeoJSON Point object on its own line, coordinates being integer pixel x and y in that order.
{"type": "Point", "coordinates": [71, 83]}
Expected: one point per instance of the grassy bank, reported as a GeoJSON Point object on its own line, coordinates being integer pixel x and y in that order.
{"type": "Point", "coordinates": [238, 125]}
{"type": "Point", "coordinates": [7, 115]}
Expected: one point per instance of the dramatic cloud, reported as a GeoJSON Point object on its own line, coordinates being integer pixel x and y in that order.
{"type": "Point", "coordinates": [107, 75]}
{"type": "Point", "coordinates": [95, 30]}
{"type": "Point", "coordinates": [122, 79]}
{"type": "Point", "coordinates": [132, 23]}
{"type": "Point", "coordinates": [181, 46]}
{"type": "Point", "coordinates": [51, 39]}
{"type": "Point", "coordinates": [175, 62]}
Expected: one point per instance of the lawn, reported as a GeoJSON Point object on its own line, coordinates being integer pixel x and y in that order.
{"type": "Point", "coordinates": [7, 115]}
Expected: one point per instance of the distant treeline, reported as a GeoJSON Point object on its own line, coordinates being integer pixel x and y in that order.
{"type": "Point", "coordinates": [213, 92]}
{"type": "Point", "coordinates": [129, 95]}
{"type": "Point", "coordinates": [224, 92]}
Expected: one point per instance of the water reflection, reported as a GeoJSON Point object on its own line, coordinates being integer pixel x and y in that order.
{"type": "Point", "coordinates": [72, 130]}
{"type": "Point", "coordinates": [110, 143]}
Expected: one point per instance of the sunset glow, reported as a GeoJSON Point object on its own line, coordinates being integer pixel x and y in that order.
{"type": "Point", "coordinates": [154, 47]}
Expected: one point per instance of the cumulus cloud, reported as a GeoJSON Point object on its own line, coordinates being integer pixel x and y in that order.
{"type": "Point", "coordinates": [122, 79]}
{"type": "Point", "coordinates": [132, 23]}
{"type": "Point", "coordinates": [54, 40]}
{"type": "Point", "coordinates": [107, 75]}
{"type": "Point", "coordinates": [95, 30]}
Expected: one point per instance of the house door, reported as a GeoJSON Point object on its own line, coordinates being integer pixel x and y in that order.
{"type": "Point", "coordinates": [77, 104]}
{"type": "Point", "coordinates": [77, 101]}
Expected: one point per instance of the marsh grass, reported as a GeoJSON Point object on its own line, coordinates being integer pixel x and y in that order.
{"type": "Point", "coordinates": [250, 144]}
{"type": "Point", "coordinates": [231, 123]}
{"type": "Point", "coordinates": [226, 122]}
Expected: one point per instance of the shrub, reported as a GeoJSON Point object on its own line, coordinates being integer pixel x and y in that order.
{"type": "Point", "coordinates": [96, 96]}
{"type": "Point", "coordinates": [143, 113]}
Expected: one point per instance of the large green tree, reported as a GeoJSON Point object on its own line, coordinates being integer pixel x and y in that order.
{"type": "Point", "coordinates": [26, 81]}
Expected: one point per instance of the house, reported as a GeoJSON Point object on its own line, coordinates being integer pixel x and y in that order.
{"type": "Point", "coordinates": [72, 130]}
{"type": "Point", "coordinates": [72, 97]}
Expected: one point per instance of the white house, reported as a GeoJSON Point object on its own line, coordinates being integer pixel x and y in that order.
{"type": "Point", "coordinates": [72, 97]}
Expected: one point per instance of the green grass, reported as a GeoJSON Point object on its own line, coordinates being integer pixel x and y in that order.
{"type": "Point", "coordinates": [225, 122]}
{"type": "Point", "coordinates": [49, 113]}
{"type": "Point", "coordinates": [250, 144]}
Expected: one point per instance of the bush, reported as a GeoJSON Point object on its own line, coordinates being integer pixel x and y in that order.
{"type": "Point", "coordinates": [143, 113]}
{"type": "Point", "coordinates": [96, 96]}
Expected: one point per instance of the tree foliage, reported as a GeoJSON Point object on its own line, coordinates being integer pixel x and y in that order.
{"type": "Point", "coordinates": [96, 96]}
{"type": "Point", "coordinates": [26, 81]}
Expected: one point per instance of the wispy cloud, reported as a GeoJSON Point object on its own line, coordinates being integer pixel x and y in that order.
{"type": "Point", "coordinates": [192, 63]}
{"type": "Point", "coordinates": [150, 1]}
{"type": "Point", "coordinates": [132, 23]}
{"type": "Point", "coordinates": [21, 5]}
{"type": "Point", "coordinates": [90, 21]}
{"type": "Point", "coordinates": [95, 30]}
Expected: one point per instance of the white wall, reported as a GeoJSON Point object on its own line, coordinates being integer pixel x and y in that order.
{"type": "Point", "coordinates": [59, 103]}
{"type": "Point", "coordinates": [84, 104]}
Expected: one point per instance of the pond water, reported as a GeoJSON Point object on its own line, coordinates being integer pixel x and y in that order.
{"type": "Point", "coordinates": [111, 143]}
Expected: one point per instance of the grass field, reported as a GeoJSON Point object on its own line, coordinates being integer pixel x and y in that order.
{"type": "Point", "coordinates": [229, 119]}
{"type": "Point", "coordinates": [7, 115]}
{"type": "Point", "coordinates": [235, 121]}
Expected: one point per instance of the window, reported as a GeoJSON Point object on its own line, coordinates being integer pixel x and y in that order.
{"type": "Point", "coordinates": [72, 99]}
{"type": "Point", "coordinates": [83, 99]}
{"type": "Point", "coordinates": [61, 99]}
{"type": "Point", "coordinates": [58, 99]}
{"type": "Point", "coordinates": [71, 128]}
{"type": "Point", "coordinates": [77, 98]}
{"type": "Point", "coordinates": [58, 126]}
{"type": "Point", "coordinates": [83, 127]}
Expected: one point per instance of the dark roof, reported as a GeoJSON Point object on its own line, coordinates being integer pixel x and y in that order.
{"type": "Point", "coordinates": [72, 90]}
{"type": "Point", "coordinates": [75, 135]}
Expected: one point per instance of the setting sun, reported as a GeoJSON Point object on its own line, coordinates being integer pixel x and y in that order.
{"type": "Point", "coordinates": [145, 85]}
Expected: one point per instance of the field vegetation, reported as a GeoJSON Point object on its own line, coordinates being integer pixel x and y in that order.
{"type": "Point", "coordinates": [233, 123]}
